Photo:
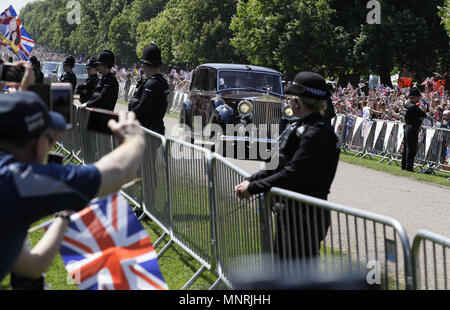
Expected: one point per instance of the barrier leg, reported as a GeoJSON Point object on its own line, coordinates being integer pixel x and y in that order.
{"type": "Point", "coordinates": [164, 249]}
{"type": "Point", "coordinates": [193, 278]}
{"type": "Point", "coordinates": [161, 238]}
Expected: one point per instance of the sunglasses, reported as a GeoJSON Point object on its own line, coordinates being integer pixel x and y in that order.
{"type": "Point", "coordinates": [292, 99]}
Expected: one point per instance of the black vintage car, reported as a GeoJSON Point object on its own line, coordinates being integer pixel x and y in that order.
{"type": "Point", "coordinates": [245, 101]}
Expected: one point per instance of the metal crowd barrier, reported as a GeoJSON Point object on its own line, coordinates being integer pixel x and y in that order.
{"type": "Point", "coordinates": [382, 138]}
{"type": "Point", "coordinates": [155, 191]}
{"type": "Point", "coordinates": [347, 240]}
{"type": "Point", "coordinates": [241, 226]}
{"type": "Point", "coordinates": [177, 101]}
{"type": "Point", "coordinates": [431, 272]}
{"type": "Point", "coordinates": [189, 193]}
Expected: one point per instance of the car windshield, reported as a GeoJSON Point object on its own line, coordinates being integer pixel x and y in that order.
{"type": "Point", "coordinates": [266, 82]}
{"type": "Point", "coordinates": [80, 70]}
{"type": "Point", "coordinates": [48, 67]}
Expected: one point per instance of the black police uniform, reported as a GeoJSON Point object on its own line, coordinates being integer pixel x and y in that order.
{"type": "Point", "coordinates": [39, 76]}
{"type": "Point", "coordinates": [149, 102]}
{"type": "Point", "coordinates": [308, 157]}
{"type": "Point", "coordinates": [69, 77]}
{"type": "Point", "coordinates": [89, 85]}
{"type": "Point", "coordinates": [413, 115]}
{"type": "Point", "coordinates": [106, 93]}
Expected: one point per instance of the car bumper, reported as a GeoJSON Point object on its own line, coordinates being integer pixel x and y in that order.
{"type": "Point", "coordinates": [252, 140]}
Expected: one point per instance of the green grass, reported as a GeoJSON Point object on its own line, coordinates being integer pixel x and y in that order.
{"type": "Point", "coordinates": [441, 178]}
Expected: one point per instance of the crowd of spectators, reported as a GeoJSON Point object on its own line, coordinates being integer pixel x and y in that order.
{"type": "Point", "coordinates": [180, 80]}
{"type": "Point", "coordinates": [387, 103]}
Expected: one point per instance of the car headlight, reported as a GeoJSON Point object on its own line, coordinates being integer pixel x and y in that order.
{"type": "Point", "coordinates": [245, 107]}
{"type": "Point", "coordinates": [288, 112]}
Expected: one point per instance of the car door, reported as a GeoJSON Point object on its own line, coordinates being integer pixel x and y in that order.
{"type": "Point", "coordinates": [194, 96]}
{"type": "Point", "coordinates": [209, 91]}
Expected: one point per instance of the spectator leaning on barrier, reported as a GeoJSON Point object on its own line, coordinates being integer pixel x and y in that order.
{"type": "Point", "coordinates": [309, 154]}
{"type": "Point", "coordinates": [87, 89]}
{"type": "Point", "coordinates": [107, 89]}
{"type": "Point", "coordinates": [31, 190]}
{"type": "Point", "coordinates": [414, 116]}
{"type": "Point", "coordinates": [149, 101]}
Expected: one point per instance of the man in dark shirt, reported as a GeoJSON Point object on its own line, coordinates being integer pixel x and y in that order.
{"type": "Point", "coordinates": [413, 120]}
{"type": "Point", "coordinates": [308, 158]}
{"type": "Point", "coordinates": [149, 101]}
{"type": "Point", "coordinates": [69, 76]}
{"type": "Point", "coordinates": [107, 90]}
{"type": "Point", "coordinates": [87, 89]}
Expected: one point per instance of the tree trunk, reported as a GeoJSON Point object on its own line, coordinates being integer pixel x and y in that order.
{"type": "Point", "coordinates": [385, 76]}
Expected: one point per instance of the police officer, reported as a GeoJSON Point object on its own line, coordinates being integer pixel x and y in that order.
{"type": "Point", "coordinates": [69, 76]}
{"type": "Point", "coordinates": [413, 120]}
{"type": "Point", "coordinates": [87, 89]}
{"type": "Point", "coordinates": [308, 158]}
{"type": "Point", "coordinates": [107, 89]}
{"type": "Point", "coordinates": [149, 101]}
{"type": "Point", "coordinates": [36, 65]}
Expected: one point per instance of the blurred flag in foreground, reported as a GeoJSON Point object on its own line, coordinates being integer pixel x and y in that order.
{"type": "Point", "coordinates": [14, 36]}
{"type": "Point", "coordinates": [106, 248]}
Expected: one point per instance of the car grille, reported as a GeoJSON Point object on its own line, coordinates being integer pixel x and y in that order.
{"type": "Point", "coordinates": [266, 112]}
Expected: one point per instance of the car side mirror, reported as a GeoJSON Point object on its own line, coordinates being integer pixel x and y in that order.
{"type": "Point", "coordinates": [55, 71]}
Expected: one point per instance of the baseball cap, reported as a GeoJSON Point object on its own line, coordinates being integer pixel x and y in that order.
{"type": "Point", "coordinates": [24, 116]}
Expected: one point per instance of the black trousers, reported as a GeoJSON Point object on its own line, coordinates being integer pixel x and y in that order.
{"type": "Point", "coordinates": [409, 147]}
{"type": "Point", "coordinates": [300, 229]}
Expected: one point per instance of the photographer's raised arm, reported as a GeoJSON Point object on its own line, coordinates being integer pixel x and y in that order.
{"type": "Point", "coordinates": [118, 167]}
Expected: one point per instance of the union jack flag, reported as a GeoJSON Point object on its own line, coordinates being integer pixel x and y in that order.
{"type": "Point", "coordinates": [23, 43]}
{"type": "Point", "coordinates": [106, 248]}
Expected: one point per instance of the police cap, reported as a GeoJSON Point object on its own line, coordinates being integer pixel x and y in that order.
{"type": "Point", "coordinates": [70, 61]}
{"type": "Point", "coordinates": [152, 55]}
{"type": "Point", "coordinates": [92, 63]}
{"type": "Point", "coordinates": [106, 57]}
{"type": "Point", "coordinates": [308, 84]}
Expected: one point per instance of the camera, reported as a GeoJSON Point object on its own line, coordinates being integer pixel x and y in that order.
{"type": "Point", "coordinates": [58, 97]}
{"type": "Point", "coordinates": [11, 73]}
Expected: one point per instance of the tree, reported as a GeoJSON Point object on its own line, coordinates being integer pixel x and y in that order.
{"type": "Point", "coordinates": [288, 35]}
{"type": "Point", "coordinates": [410, 36]}
{"type": "Point", "coordinates": [191, 32]}
{"type": "Point", "coordinates": [444, 13]}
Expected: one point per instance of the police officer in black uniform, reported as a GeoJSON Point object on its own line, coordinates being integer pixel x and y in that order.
{"type": "Point", "coordinates": [413, 120]}
{"type": "Point", "coordinates": [308, 157]}
{"type": "Point", "coordinates": [69, 76]}
{"type": "Point", "coordinates": [107, 89]}
{"type": "Point", "coordinates": [36, 65]}
{"type": "Point", "coordinates": [149, 101]}
{"type": "Point", "coordinates": [86, 90]}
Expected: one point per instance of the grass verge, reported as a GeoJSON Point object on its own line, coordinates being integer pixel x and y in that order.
{"type": "Point", "coordinates": [439, 178]}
